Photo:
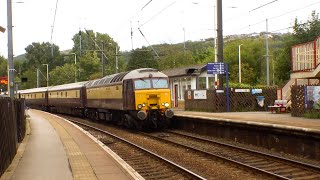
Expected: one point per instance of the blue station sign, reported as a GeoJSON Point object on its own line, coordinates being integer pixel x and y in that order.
{"type": "Point", "coordinates": [216, 68]}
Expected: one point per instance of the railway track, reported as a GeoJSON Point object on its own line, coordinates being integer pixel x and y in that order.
{"type": "Point", "coordinates": [201, 156]}
{"type": "Point", "coordinates": [148, 164]}
{"type": "Point", "coordinates": [204, 166]}
{"type": "Point", "coordinates": [276, 166]}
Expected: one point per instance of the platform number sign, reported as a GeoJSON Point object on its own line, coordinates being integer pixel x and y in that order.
{"type": "Point", "coordinates": [216, 68]}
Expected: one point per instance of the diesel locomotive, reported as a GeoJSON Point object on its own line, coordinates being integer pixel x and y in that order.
{"type": "Point", "coordinates": [138, 98]}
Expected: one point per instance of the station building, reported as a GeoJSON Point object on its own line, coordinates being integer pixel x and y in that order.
{"type": "Point", "coordinates": [193, 77]}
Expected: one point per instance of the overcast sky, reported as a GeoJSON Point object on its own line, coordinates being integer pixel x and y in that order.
{"type": "Point", "coordinates": [161, 21]}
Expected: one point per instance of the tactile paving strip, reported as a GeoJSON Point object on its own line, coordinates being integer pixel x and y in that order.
{"type": "Point", "coordinates": [81, 168]}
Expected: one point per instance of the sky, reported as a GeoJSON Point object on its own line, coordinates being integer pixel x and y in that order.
{"type": "Point", "coordinates": [161, 21]}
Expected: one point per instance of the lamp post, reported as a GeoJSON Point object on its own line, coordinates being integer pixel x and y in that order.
{"type": "Point", "coordinates": [75, 63]}
{"type": "Point", "coordinates": [117, 68]}
{"type": "Point", "coordinates": [240, 63]}
{"type": "Point", "coordinates": [117, 59]}
{"type": "Point", "coordinates": [47, 74]}
{"type": "Point", "coordinates": [10, 51]}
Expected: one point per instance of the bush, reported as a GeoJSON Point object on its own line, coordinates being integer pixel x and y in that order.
{"type": "Point", "coordinates": [313, 114]}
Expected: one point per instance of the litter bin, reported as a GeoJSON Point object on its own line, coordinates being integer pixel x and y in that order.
{"type": "Point", "coordinates": [260, 101]}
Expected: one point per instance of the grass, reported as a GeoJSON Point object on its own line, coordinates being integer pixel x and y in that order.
{"type": "Point", "coordinates": [313, 114]}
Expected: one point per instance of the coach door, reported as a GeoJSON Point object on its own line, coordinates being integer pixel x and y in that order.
{"type": "Point", "coordinates": [128, 95]}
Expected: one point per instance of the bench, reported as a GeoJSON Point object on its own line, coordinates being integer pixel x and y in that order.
{"type": "Point", "coordinates": [280, 106]}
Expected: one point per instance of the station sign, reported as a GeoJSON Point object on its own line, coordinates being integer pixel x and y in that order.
{"type": "Point", "coordinates": [216, 68]}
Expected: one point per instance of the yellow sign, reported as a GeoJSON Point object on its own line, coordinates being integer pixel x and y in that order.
{"type": "Point", "coordinates": [4, 81]}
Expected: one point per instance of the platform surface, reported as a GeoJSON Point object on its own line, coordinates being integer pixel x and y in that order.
{"type": "Point", "coordinates": [265, 118]}
{"type": "Point", "coordinates": [57, 149]}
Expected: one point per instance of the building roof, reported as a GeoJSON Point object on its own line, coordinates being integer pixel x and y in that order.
{"type": "Point", "coordinates": [193, 70]}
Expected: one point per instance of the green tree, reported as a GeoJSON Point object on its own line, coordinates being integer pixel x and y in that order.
{"type": "Point", "coordinates": [3, 66]}
{"type": "Point", "coordinates": [43, 53]}
{"type": "Point", "coordinates": [62, 74]}
{"type": "Point", "coordinates": [176, 59]}
{"type": "Point", "coordinates": [308, 31]}
{"type": "Point", "coordinates": [89, 65]}
{"type": "Point", "coordinates": [302, 32]}
{"type": "Point", "coordinates": [252, 53]}
{"type": "Point", "coordinates": [142, 58]}
{"type": "Point", "coordinates": [31, 74]}
{"type": "Point", "coordinates": [96, 42]}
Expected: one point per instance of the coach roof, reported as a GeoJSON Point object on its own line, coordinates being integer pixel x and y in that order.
{"type": "Point", "coordinates": [34, 90]}
{"type": "Point", "coordinates": [76, 85]}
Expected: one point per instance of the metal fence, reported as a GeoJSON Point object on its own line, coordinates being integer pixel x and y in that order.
{"type": "Point", "coordinates": [300, 102]}
{"type": "Point", "coordinates": [240, 100]}
{"type": "Point", "coordinates": [12, 129]}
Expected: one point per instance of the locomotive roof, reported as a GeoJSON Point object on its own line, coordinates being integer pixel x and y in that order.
{"type": "Point", "coordinates": [119, 77]}
{"type": "Point", "coordinates": [67, 86]}
{"type": "Point", "coordinates": [144, 73]}
{"type": "Point", "coordinates": [113, 78]}
{"type": "Point", "coordinates": [33, 90]}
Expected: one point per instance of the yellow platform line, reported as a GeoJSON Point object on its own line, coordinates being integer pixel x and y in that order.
{"type": "Point", "coordinates": [80, 166]}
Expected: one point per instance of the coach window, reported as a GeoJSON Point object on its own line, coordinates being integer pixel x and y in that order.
{"type": "Point", "coordinates": [61, 94]}
{"type": "Point", "coordinates": [76, 93]}
{"type": "Point", "coordinates": [66, 94]}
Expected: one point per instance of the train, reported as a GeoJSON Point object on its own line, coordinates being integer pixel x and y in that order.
{"type": "Point", "coordinates": [140, 98]}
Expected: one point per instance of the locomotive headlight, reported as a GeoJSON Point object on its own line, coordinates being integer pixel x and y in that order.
{"type": "Point", "coordinates": [166, 104]}
{"type": "Point", "coordinates": [141, 106]}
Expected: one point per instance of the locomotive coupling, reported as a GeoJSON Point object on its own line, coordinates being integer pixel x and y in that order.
{"type": "Point", "coordinates": [169, 113]}
{"type": "Point", "coordinates": [142, 115]}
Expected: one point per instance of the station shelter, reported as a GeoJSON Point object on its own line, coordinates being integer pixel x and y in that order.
{"type": "Point", "coordinates": [188, 78]}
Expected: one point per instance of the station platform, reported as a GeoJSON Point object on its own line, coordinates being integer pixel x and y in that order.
{"type": "Point", "coordinates": [281, 120]}
{"type": "Point", "coordinates": [57, 149]}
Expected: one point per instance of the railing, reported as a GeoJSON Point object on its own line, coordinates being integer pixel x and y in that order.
{"type": "Point", "coordinates": [12, 129]}
{"type": "Point", "coordinates": [240, 100]}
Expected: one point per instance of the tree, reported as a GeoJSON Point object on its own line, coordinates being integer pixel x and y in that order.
{"type": "Point", "coordinates": [302, 32]}
{"type": "Point", "coordinates": [3, 66]}
{"type": "Point", "coordinates": [43, 53]}
{"type": "Point", "coordinates": [31, 74]}
{"type": "Point", "coordinates": [142, 58]}
{"type": "Point", "coordinates": [176, 59]}
{"type": "Point", "coordinates": [96, 42]}
{"type": "Point", "coordinates": [62, 74]}
{"type": "Point", "coordinates": [89, 65]}
{"type": "Point", "coordinates": [308, 31]}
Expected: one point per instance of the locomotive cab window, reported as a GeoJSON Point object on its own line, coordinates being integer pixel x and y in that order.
{"type": "Point", "coordinates": [151, 83]}
{"type": "Point", "coordinates": [142, 84]}
{"type": "Point", "coordinates": [159, 83]}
